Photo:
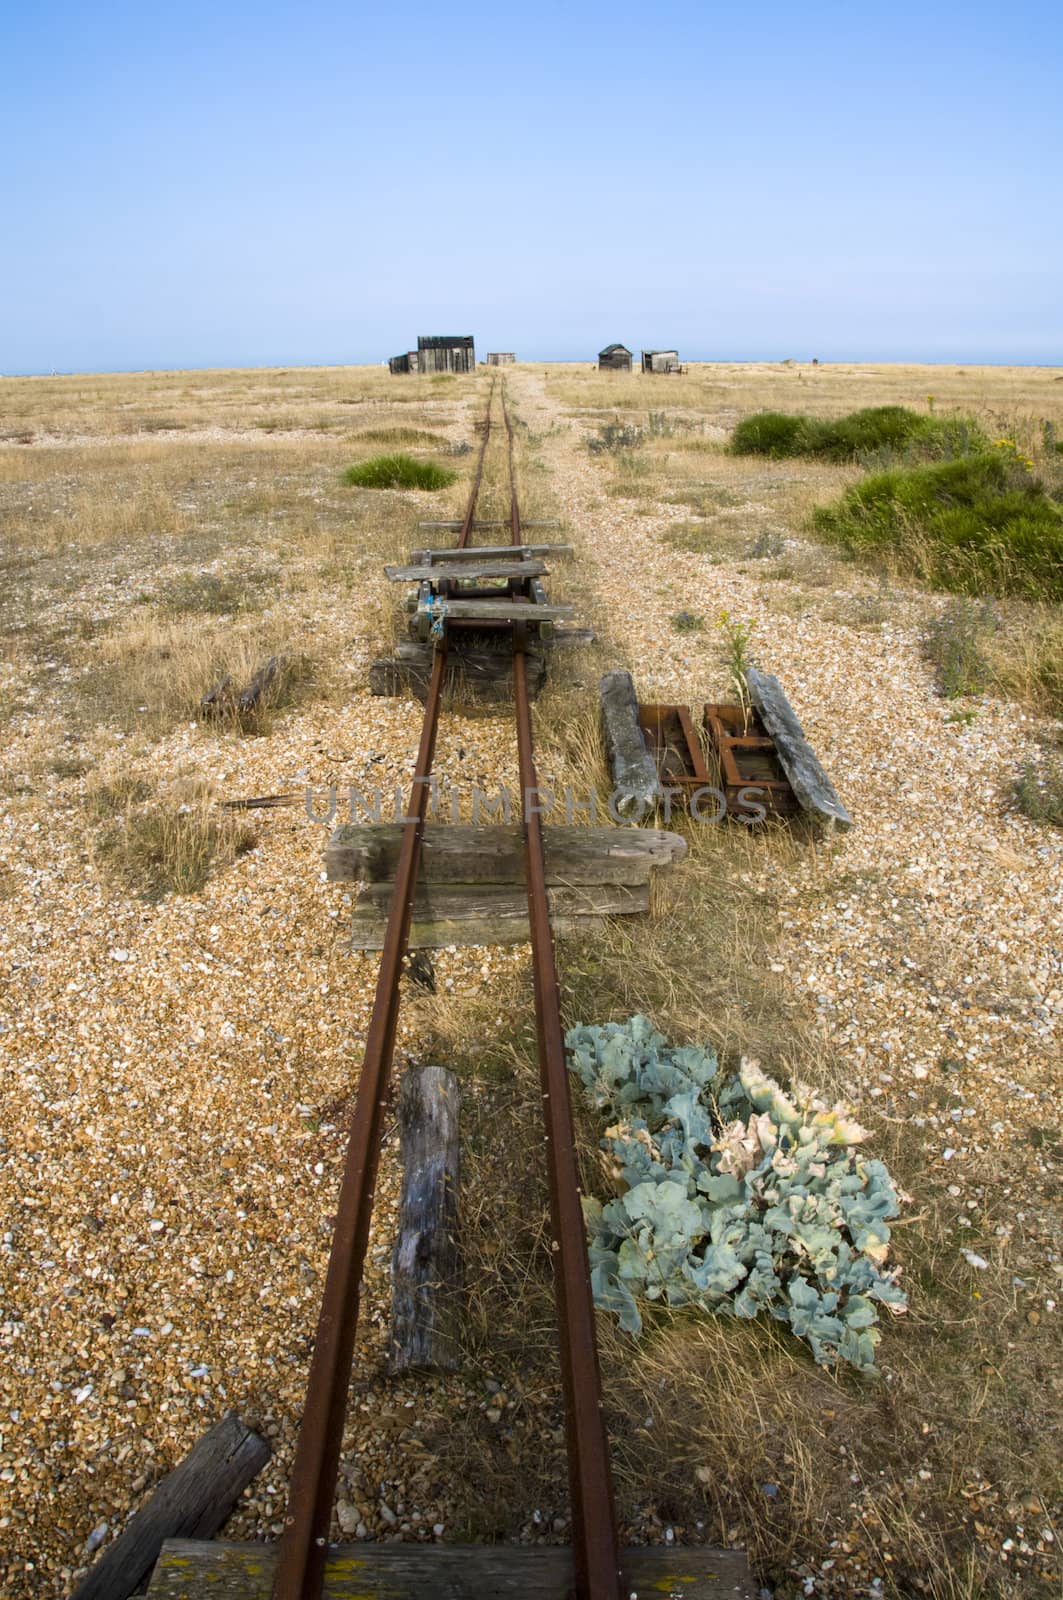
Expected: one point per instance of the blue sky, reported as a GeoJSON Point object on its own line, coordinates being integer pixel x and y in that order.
{"type": "Point", "coordinates": [233, 185]}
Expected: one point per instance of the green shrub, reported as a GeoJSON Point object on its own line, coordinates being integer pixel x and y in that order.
{"type": "Point", "coordinates": [981, 523]}
{"type": "Point", "coordinates": [876, 435]}
{"type": "Point", "coordinates": [616, 437]}
{"type": "Point", "coordinates": [397, 472]}
{"type": "Point", "coordinates": [771, 433]}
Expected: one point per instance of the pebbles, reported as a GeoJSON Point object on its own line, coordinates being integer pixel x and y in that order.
{"type": "Point", "coordinates": [177, 1076]}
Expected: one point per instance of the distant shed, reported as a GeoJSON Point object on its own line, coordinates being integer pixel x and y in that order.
{"type": "Point", "coordinates": [446, 352]}
{"type": "Point", "coordinates": [500, 358]}
{"type": "Point", "coordinates": [407, 362]}
{"type": "Point", "coordinates": [614, 358]}
{"type": "Point", "coordinates": [660, 361]}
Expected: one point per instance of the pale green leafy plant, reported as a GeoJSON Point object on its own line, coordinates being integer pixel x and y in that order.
{"type": "Point", "coordinates": [733, 1195]}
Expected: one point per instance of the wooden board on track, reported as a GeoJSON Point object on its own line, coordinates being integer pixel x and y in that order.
{"type": "Point", "coordinates": [217, 1571]}
{"type": "Point", "coordinates": [464, 853]}
{"type": "Point", "coordinates": [469, 571]}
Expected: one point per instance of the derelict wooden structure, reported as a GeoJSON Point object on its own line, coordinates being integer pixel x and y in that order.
{"type": "Point", "coordinates": [660, 361]}
{"type": "Point", "coordinates": [614, 358]}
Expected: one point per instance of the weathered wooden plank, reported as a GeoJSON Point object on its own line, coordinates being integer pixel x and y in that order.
{"type": "Point", "coordinates": [486, 552]}
{"type": "Point", "coordinates": [368, 925]}
{"type": "Point", "coordinates": [191, 1502]}
{"type": "Point", "coordinates": [564, 636]}
{"type": "Point", "coordinates": [220, 697]}
{"type": "Point", "coordinates": [263, 680]}
{"type": "Point", "coordinates": [459, 1572]}
{"type": "Point", "coordinates": [426, 1261]}
{"type": "Point", "coordinates": [635, 780]}
{"type": "Point", "coordinates": [467, 571]}
{"type": "Point", "coordinates": [814, 790]}
{"type": "Point", "coordinates": [497, 522]}
{"type": "Point", "coordinates": [475, 902]}
{"type": "Point", "coordinates": [465, 853]}
{"type": "Point", "coordinates": [492, 611]}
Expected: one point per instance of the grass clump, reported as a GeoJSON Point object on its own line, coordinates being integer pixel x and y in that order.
{"type": "Point", "coordinates": [981, 523]}
{"type": "Point", "coordinates": [1039, 790]}
{"type": "Point", "coordinates": [953, 643]}
{"type": "Point", "coordinates": [172, 847]}
{"type": "Point", "coordinates": [400, 435]}
{"type": "Point", "coordinates": [216, 594]}
{"type": "Point", "coordinates": [874, 435]}
{"type": "Point", "coordinates": [398, 471]}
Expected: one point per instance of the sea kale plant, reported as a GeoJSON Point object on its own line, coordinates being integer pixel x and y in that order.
{"type": "Point", "coordinates": [733, 1195]}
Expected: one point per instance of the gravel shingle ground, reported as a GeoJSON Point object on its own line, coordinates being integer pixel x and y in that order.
{"type": "Point", "coordinates": [176, 1076]}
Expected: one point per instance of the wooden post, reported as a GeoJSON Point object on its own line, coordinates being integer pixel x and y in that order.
{"type": "Point", "coordinates": [634, 770]}
{"type": "Point", "coordinates": [192, 1502]}
{"type": "Point", "coordinates": [426, 1263]}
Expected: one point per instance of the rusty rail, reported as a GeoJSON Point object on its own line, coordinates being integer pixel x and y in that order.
{"type": "Point", "coordinates": [312, 1489]}
{"type": "Point", "coordinates": [304, 1543]}
{"type": "Point", "coordinates": [594, 1541]}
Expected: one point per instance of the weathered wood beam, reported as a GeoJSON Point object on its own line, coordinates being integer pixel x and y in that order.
{"type": "Point", "coordinates": [814, 790]}
{"type": "Point", "coordinates": [635, 779]}
{"type": "Point", "coordinates": [368, 924]}
{"type": "Point", "coordinates": [191, 1502]}
{"type": "Point", "coordinates": [476, 902]}
{"type": "Point", "coordinates": [426, 1261]}
{"type": "Point", "coordinates": [485, 552]}
{"type": "Point", "coordinates": [263, 680]}
{"type": "Point", "coordinates": [467, 571]}
{"type": "Point", "coordinates": [492, 611]}
{"type": "Point", "coordinates": [460, 1572]}
{"type": "Point", "coordinates": [467, 853]}
{"type": "Point", "coordinates": [220, 697]}
{"type": "Point", "coordinates": [498, 522]}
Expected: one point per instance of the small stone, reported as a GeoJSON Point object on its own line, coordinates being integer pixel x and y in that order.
{"type": "Point", "coordinates": [347, 1517]}
{"type": "Point", "coordinates": [95, 1539]}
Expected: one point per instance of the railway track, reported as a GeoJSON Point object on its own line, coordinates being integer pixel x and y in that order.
{"type": "Point", "coordinates": [301, 1559]}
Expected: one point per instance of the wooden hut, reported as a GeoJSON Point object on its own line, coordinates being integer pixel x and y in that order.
{"type": "Point", "coordinates": [614, 358]}
{"type": "Point", "coordinates": [660, 361]}
{"type": "Point", "coordinates": [446, 352]}
{"type": "Point", "coordinates": [407, 362]}
{"type": "Point", "coordinates": [500, 358]}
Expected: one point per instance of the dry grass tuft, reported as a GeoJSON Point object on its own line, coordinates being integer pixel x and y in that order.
{"type": "Point", "coordinates": [170, 846]}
